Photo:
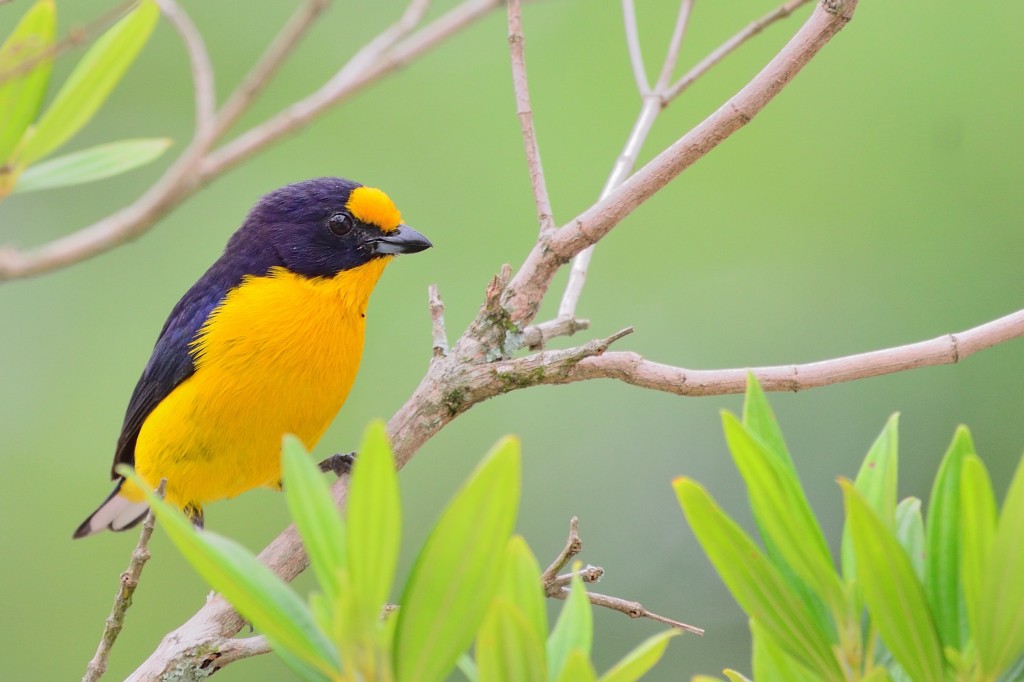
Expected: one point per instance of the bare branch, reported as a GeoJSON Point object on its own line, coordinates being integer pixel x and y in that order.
{"type": "Point", "coordinates": [199, 61]}
{"type": "Point", "coordinates": [633, 609]}
{"type": "Point", "coordinates": [129, 581]}
{"type": "Point", "coordinates": [943, 350]}
{"type": "Point", "coordinates": [653, 103]}
{"type": "Point", "coordinates": [636, 54]}
{"type": "Point", "coordinates": [749, 31]}
{"type": "Point", "coordinates": [588, 574]}
{"type": "Point", "coordinates": [516, 46]}
{"type": "Point", "coordinates": [440, 336]}
{"type": "Point", "coordinates": [344, 84]}
{"type": "Point", "coordinates": [536, 336]}
{"type": "Point", "coordinates": [672, 55]}
{"type": "Point", "coordinates": [234, 650]}
{"type": "Point", "coordinates": [269, 62]}
{"type": "Point", "coordinates": [529, 284]}
{"type": "Point", "coordinates": [573, 546]}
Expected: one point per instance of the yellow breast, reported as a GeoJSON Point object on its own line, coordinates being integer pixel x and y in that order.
{"type": "Point", "coordinates": [279, 355]}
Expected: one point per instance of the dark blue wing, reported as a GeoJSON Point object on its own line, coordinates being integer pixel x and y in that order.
{"type": "Point", "coordinates": [172, 361]}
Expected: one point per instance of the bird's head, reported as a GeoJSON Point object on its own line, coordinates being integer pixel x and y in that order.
{"type": "Point", "coordinates": [322, 226]}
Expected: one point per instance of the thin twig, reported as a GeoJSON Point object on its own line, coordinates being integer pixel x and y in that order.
{"type": "Point", "coordinates": [672, 54]}
{"type": "Point", "coordinates": [439, 334]}
{"type": "Point", "coordinates": [573, 546]}
{"type": "Point", "coordinates": [636, 53]}
{"type": "Point", "coordinates": [199, 61]}
{"type": "Point", "coordinates": [129, 581]}
{"type": "Point", "coordinates": [516, 46]}
{"type": "Point", "coordinates": [633, 609]}
{"type": "Point", "coordinates": [719, 53]}
{"type": "Point", "coordinates": [254, 82]}
{"type": "Point", "coordinates": [588, 574]}
{"type": "Point", "coordinates": [234, 650]}
{"type": "Point", "coordinates": [536, 336]}
{"type": "Point", "coordinates": [653, 103]}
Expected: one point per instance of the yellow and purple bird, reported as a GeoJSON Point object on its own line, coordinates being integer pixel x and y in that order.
{"type": "Point", "coordinates": [267, 342]}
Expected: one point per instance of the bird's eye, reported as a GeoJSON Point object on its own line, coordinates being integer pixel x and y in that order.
{"type": "Point", "coordinates": [340, 224]}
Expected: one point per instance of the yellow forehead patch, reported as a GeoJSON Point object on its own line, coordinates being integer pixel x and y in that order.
{"type": "Point", "coordinates": [372, 206]}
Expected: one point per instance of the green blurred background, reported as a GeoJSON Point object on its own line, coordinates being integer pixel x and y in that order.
{"type": "Point", "coordinates": [876, 202]}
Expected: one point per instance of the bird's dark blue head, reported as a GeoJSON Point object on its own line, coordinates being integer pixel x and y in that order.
{"type": "Point", "coordinates": [320, 227]}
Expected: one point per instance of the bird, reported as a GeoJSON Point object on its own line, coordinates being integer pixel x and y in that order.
{"type": "Point", "coordinates": [267, 342]}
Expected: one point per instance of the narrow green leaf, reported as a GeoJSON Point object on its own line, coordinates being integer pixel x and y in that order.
{"type": "Point", "coordinates": [374, 524]}
{"type": "Point", "coordinates": [641, 659]}
{"type": "Point", "coordinates": [22, 95]}
{"type": "Point", "coordinates": [507, 648]}
{"type": "Point", "coordinates": [784, 514]}
{"type": "Point", "coordinates": [978, 518]}
{"type": "Point", "coordinates": [759, 418]}
{"type": "Point", "coordinates": [942, 569]}
{"type": "Point", "coordinates": [876, 482]}
{"type": "Point", "coordinates": [520, 585]}
{"type": "Point", "coordinates": [574, 630]}
{"type": "Point", "coordinates": [734, 676]}
{"type": "Point", "coordinates": [894, 596]}
{"type": "Point", "coordinates": [89, 165]}
{"type": "Point", "coordinates": [910, 533]}
{"type": "Point", "coordinates": [316, 518]}
{"type": "Point", "coordinates": [755, 583]}
{"type": "Point", "coordinates": [260, 596]}
{"type": "Point", "coordinates": [578, 668]}
{"type": "Point", "coordinates": [91, 82]}
{"type": "Point", "coordinates": [458, 570]}
{"type": "Point", "coordinates": [1002, 597]}
{"type": "Point", "coordinates": [770, 661]}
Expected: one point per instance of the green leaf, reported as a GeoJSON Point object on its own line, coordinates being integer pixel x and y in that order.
{"type": "Point", "coordinates": [22, 95]}
{"type": "Point", "coordinates": [1002, 597]}
{"type": "Point", "coordinates": [978, 518]}
{"type": "Point", "coordinates": [755, 583]}
{"type": "Point", "coordinates": [876, 482]}
{"type": "Point", "coordinates": [734, 676]}
{"type": "Point", "coordinates": [770, 661]}
{"type": "Point", "coordinates": [520, 585]}
{"type": "Point", "coordinates": [374, 524]}
{"type": "Point", "coordinates": [894, 596]}
{"type": "Point", "coordinates": [942, 569]}
{"type": "Point", "coordinates": [782, 511]}
{"type": "Point", "coordinates": [316, 518]}
{"type": "Point", "coordinates": [578, 668]}
{"type": "Point", "coordinates": [641, 659]}
{"type": "Point", "coordinates": [507, 648]}
{"type": "Point", "coordinates": [760, 421]}
{"type": "Point", "coordinates": [574, 630]}
{"type": "Point", "coordinates": [91, 82]}
{"type": "Point", "coordinates": [458, 569]}
{"type": "Point", "coordinates": [88, 165]}
{"type": "Point", "coordinates": [260, 596]}
{"type": "Point", "coordinates": [910, 533]}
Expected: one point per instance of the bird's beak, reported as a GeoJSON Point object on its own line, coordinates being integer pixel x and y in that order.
{"type": "Point", "coordinates": [402, 240]}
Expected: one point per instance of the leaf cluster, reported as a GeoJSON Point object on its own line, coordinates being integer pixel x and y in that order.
{"type": "Point", "coordinates": [914, 599]}
{"type": "Point", "coordinates": [27, 137]}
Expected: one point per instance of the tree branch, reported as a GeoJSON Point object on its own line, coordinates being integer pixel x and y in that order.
{"type": "Point", "coordinates": [129, 581]}
{"type": "Point", "coordinates": [516, 45]}
{"type": "Point", "coordinates": [199, 61]}
{"type": "Point", "coordinates": [943, 350]}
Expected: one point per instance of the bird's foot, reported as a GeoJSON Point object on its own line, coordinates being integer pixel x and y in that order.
{"type": "Point", "coordinates": [339, 464]}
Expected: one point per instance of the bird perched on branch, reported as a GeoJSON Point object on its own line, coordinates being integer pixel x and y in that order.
{"type": "Point", "coordinates": [267, 342]}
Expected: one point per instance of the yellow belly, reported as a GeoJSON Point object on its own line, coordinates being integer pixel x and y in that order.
{"type": "Point", "coordinates": [278, 356]}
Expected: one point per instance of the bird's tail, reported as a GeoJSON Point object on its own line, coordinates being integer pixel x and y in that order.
{"type": "Point", "coordinates": [116, 513]}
